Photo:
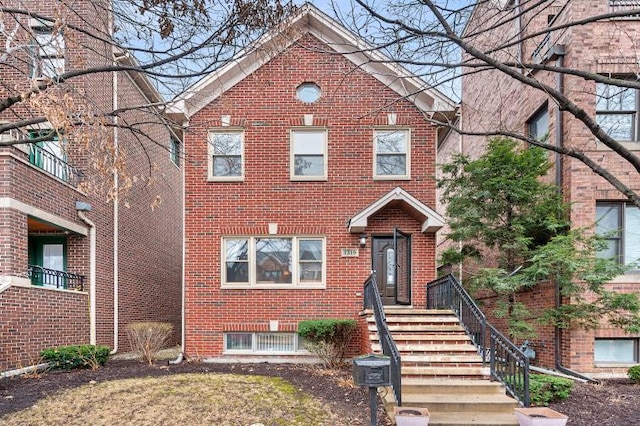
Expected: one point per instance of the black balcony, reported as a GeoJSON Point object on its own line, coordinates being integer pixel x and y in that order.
{"type": "Point", "coordinates": [53, 164]}
{"type": "Point", "coordinates": [56, 279]}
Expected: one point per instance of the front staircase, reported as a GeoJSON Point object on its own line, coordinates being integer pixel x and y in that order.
{"type": "Point", "coordinates": [441, 370]}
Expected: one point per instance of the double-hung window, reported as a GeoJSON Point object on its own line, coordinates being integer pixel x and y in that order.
{"type": "Point", "coordinates": [174, 151]}
{"type": "Point", "coordinates": [617, 111]}
{"type": "Point", "coordinates": [538, 124]}
{"type": "Point", "coordinates": [619, 224]}
{"type": "Point", "coordinates": [392, 149]}
{"type": "Point", "coordinates": [47, 51]}
{"type": "Point", "coordinates": [226, 148]}
{"type": "Point", "coordinates": [308, 154]}
{"type": "Point", "coordinates": [273, 261]}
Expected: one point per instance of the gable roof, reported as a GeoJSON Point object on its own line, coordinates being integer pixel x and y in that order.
{"type": "Point", "coordinates": [431, 221]}
{"type": "Point", "coordinates": [311, 20]}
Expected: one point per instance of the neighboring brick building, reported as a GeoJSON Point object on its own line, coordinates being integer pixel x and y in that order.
{"type": "Point", "coordinates": [492, 100]}
{"type": "Point", "coordinates": [298, 150]}
{"type": "Point", "coordinates": [56, 287]}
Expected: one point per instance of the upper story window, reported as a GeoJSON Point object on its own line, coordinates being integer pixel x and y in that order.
{"type": "Point", "coordinates": [308, 93]}
{"type": "Point", "coordinates": [617, 111]}
{"type": "Point", "coordinates": [174, 150]}
{"type": "Point", "coordinates": [391, 154]}
{"type": "Point", "coordinates": [49, 155]}
{"type": "Point", "coordinates": [308, 154]}
{"type": "Point", "coordinates": [273, 262]}
{"type": "Point", "coordinates": [622, 5]}
{"type": "Point", "coordinates": [226, 152]}
{"type": "Point", "coordinates": [619, 223]}
{"type": "Point", "coordinates": [47, 51]}
{"type": "Point", "coordinates": [538, 125]}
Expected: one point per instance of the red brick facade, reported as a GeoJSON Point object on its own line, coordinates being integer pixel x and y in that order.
{"type": "Point", "coordinates": [264, 106]}
{"type": "Point", "coordinates": [138, 245]}
{"type": "Point", "coordinates": [491, 100]}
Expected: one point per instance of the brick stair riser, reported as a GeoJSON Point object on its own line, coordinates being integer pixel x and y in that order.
{"type": "Point", "coordinates": [489, 389]}
{"type": "Point", "coordinates": [464, 407]}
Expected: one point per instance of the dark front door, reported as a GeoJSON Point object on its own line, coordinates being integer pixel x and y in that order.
{"type": "Point", "coordinates": [391, 262]}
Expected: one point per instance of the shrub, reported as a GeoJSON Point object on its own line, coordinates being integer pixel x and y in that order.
{"type": "Point", "coordinates": [147, 338]}
{"type": "Point", "coordinates": [78, 356]}
{"type": "Point", "coordinates": [545, 389]}
{"type": "Point", "coordinates": [328, 339]}
{"type": "Point", "coordinates": [634, 373]}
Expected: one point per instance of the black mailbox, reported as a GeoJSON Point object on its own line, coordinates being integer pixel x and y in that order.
{"type": "Point", "coordinates": [371, 370]}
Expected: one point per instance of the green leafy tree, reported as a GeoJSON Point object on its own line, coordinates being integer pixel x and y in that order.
{"type": "Point", "coordinates": [502, 213]}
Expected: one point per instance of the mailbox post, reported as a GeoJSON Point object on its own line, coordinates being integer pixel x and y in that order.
{"type": "Point", "coordinates": [372, 371]}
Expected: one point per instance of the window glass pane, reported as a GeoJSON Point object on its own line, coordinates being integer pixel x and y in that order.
{"type": "Point", "coordinates": [391, 142]}
{"type": "Point", "coordinates": [391, 266]}
{"type": "Point", "coordinates": [615, 98]}
{"type": "Point", "coordinates": [631, 234]}
{"type": "Point", "coordinates": [275, 342]}
{"type": "Point", "coordinates": [226, 143]}
{"type": "Point", "coordinates": [618, 126]}
{"type": "Point", "coordinates": [227, 166]}
{"type": "Point", "coordinates": [391, 165]}
{"type": "Point", "coordinates": [310, 252]}
{"type": "Point", "coordinates": [237, 260]}
{"type": "Point", "coordinates": [273, 260]}
{"type": "Point", "coordinates": [539, 125]}
{"type": "Point", "coordinates": [618, 350]}
{"type": "Point", "coordinates": [608, 225]}
{"type": "Point", "coordinates": [239, 341]}
{"type": "Point", "coordinates": [309, 149]}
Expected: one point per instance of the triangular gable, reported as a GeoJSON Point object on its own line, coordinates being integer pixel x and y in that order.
{"type": "Point", "coordinates": [313, 21]}
{"type": "Point", "coordinates": [431, 221]}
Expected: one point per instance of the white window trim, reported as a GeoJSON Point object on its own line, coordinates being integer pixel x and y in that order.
{"type": "Point", "coordinates": [43, 27]}
{"type": "Point", "coordinates": [210, 176]}
{"type": "Point", "coordinates": [173, 139]}
{"type": "Point", "coordinates": [253, 284]}
{"type": "Point", "coordinates": [254, 343]}
{"type": "Point", "coordinates": [294, 177]}
{"type": "Point", "coordinates": [406, 176]}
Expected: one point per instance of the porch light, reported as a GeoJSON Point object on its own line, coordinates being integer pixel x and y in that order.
{"type": "Point", "coordinates": [363, 240]}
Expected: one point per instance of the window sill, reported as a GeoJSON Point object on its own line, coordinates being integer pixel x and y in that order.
{"type": "Point", "coordinates": [630, 145]}
{"type": "Point", "coordinates": [629, 277]}
{"type": "Point", "coordinates": [614, 364]}
{"type": "Point", "coordinates": [392, 178]}
{"type": "Point", "coordinates": [273, 286]}
{"type": "Point", "coordinates": [226, 179]}
{"type": "Point", "coordinates": [309, 179]}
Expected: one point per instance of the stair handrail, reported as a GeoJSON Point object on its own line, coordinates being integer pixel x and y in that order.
{"type": "Point", "coordinates": [507, 362]}
{"type": "Point", "coordinates": [372, 300]}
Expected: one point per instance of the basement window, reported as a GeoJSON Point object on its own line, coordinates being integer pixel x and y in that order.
{"type": "Point", "coordinates": [616, 351]}
{"type": "Point", "coordinates": [263, 343]}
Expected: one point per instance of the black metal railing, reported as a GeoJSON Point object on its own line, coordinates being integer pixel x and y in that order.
{"type": "Point", "coordinates": [373, 301]}
{"type": "Point", "coordinates": [507, 363]}
{"type": "Point", "coordinates": [53, 164]}
{"type": "Point", "coordinates": [625, 5]}
{"type": "Point", "coordinates": [53, 278]}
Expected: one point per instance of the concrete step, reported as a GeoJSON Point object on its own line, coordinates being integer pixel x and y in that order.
{"type": "Point", "coordinates": [431, 319]}
{"type": "Point", "coordinates": [406, 348]}
{"type": "Point", "coordinates": [426, 337]}
{"type": "Point", "coordinates": [420, 328]}
{"type": "Point", "coordinates": [476, 372]}
{"type": "Point", "coordinates": [470, 403]}
{"type": "Point", "coordinates": [466, 419]}
{"type": "Point", "coordinates": [451, 386]}
{"type": "Point", "coordinates": [440, 359]}
{"type": "Point", "coordinates": [410, 311]}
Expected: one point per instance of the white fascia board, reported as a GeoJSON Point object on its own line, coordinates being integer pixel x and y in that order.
{"type": "Point", "coordinates": [432, 222]}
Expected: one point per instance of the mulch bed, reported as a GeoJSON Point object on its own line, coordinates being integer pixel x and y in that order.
{"type": "Point", "coordinates": [333, 387]}
{"type": "Point", "coordinates": [611, 403]}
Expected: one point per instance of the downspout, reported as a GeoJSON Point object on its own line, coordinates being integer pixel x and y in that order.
{"type": "Point", "coordinates": [81, 208]}
{"type": "Point", "coordinates": [558, 51]}
{"type": "Point", "coordinates": [116, 245]}
{"type": "Point", "coordinates": [180, 357]}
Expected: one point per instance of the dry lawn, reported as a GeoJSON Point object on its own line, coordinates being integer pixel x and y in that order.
{"type": "Point", "coordinates": [189, 399]}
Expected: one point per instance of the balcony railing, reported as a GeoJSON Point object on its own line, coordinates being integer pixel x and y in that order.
{"type": "Point", "coordinates": [622, 5]}
{"type": "Point", "coordinates": [52, 164]}
{"type": "Point", "coordinates": [507, 363]}
{"type": "Point", "coordinates": [52, 278]}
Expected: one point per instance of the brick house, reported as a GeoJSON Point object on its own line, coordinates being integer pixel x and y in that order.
{"type": "Point", "coordinates": [76, 268]}
{"type": "Point", "coordinates": [306, 157]}
{"type": "Point", "coordinates": [491, 100]}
